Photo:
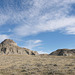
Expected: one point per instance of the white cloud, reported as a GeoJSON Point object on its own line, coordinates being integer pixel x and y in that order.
{"type": "Point", "coordinates": [70, 30]}
{"type": "Point", "coordinates": [3, 37]}
{"type": "Point", "coordinates": [3, 19]}
{"type": "Point", "coordinates": [31, 44]}
{"type": "Point", "coordinates": [37, 41]}
{"type": "Point", "coordinates": [50, 25]}
{"type": "Point", "coordinates": [47, 16]}
{"type": "Point", "coordinates": [33, 16]}
{"type": "Point", "coordinates": [42, 52]}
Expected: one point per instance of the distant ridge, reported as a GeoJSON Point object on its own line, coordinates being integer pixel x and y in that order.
{"type": "Point", "coordinates": [8, 46]}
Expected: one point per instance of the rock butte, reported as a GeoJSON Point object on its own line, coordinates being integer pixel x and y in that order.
{"type": "Point", "coordinates": [8, 46]}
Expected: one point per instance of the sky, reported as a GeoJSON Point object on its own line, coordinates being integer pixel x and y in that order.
{"type": "Point", "coordinates": [43, 26]}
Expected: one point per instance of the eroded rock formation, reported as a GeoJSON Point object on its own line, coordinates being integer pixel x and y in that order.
{"type": "Point", "coordinates": [64, 52]}
{"type": "Point", "coordinates": [8, 46]}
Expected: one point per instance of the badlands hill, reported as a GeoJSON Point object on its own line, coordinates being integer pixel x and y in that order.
{"type": "Point", "coordinates": [64, 52]}
{"type": "Point", "coordinates": [8, 46]}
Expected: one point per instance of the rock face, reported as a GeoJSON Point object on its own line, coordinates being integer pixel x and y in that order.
{"type": "Point", "coordinates": [64, 52]}
{"type": "Point", "coordinates": [9, 42]}
{"type": "Point", "coordinates": [8, 46]}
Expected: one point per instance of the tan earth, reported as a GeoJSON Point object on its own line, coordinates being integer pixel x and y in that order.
{"type": "Point", "coordinates": [36, 65]}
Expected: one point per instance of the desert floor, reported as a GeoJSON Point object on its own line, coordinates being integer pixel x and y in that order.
{"type": "Point", "coordinates": [37, 65]}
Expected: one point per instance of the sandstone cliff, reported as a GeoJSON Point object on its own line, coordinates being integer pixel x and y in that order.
{"type": "Point", "coordinates": [8, 46]}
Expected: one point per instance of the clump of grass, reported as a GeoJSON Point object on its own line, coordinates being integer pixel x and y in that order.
{"type": "Point", "coordinates": [69, 65]}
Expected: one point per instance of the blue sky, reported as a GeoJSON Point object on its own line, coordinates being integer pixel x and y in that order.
{"type": "Point", "coordinates": [43, 26]}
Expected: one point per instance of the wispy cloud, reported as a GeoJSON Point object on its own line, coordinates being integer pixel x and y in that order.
{"type": "Point", "coordinates": [47, 16]}
{"type": "Point", "coordinates": [42, 52]}
{"type": "Point", "coordinates": [32, 44]}
{"type": "Point", "coordinates": [3, 37]}
{"type": "Point", "coordinates": [32, 16]}
{"type": "Point", "coordinates": [3, 19]}
{"type": "Point", "coordinates": [70, 30]}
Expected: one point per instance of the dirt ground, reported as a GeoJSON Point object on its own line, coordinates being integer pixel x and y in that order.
{"type": "Point", "coordinates": [37, 65]}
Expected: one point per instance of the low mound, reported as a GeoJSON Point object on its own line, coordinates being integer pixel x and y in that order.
{"type": "Point", "coordinates": [64, 52]}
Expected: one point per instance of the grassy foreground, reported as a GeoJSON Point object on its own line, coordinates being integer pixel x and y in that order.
{"type": "Point", "coordinates": [36, 65]}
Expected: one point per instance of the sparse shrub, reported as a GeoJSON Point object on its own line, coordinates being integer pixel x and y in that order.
{"type": "Point", "coordinates": [69, 65]}
{"type": "Point", "coordinates": [23, 71]}
{"type": "Point", "coordinates": [55, 65]}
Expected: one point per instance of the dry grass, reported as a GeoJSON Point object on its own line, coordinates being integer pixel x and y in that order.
{"type": "Point", "coordinates": [36, 65]}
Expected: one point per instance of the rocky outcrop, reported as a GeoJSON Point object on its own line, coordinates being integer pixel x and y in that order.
{"type": "Point", "coordinates": [8, 42]}
{"type": "Point", "coordinates": [64, 52]}
{"type": "Point", "coordinates": [8, 46]}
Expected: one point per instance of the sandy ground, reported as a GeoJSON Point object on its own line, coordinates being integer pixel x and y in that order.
{"type": "Point", "coordinates": [36, 65]}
